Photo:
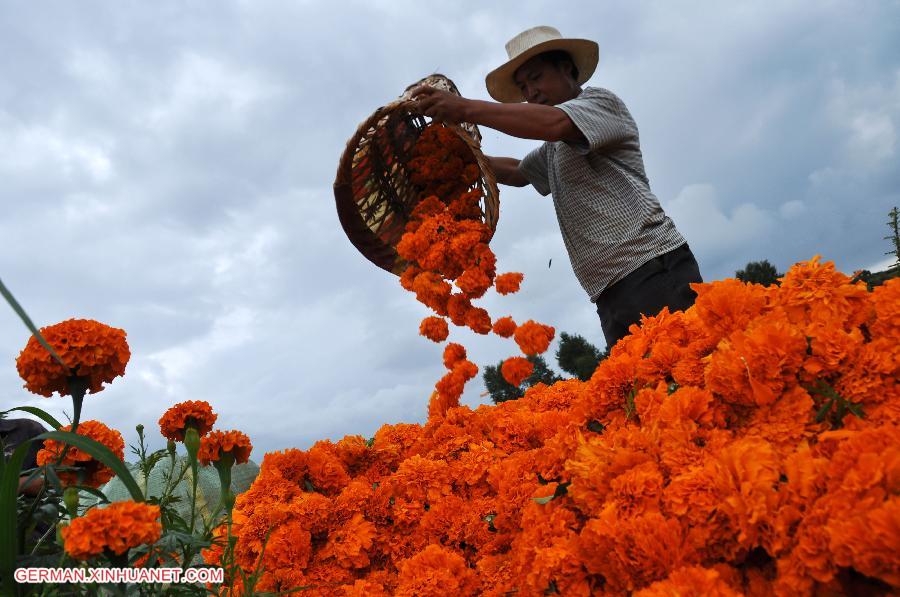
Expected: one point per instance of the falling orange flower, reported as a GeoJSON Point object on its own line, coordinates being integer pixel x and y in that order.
{"type": "Point", "coordinates": [508, 283]}
{"type": "Point", "coordinates": [115, 528]}
{"type": "Point", "coordinates": [191, 413]}
{"type": "Point", "coordinates": [516, 369]}
{"type": "Point", "coordinates": [478, 320]}
{"type": "Point", "coordinates": [453, 354]}
{"type": "Point", "coordinates": [534, 338]}
{"type": "Point", "coordinates": [505, 327]}
{"type": "Point", "coordinates": [219, 443]}
{"type": "Point", "coordinates": [434, 328]}
{"type": "Point", "coordinates": [92, 350]}
{"type": "Point", "coordinates": [89, 471]}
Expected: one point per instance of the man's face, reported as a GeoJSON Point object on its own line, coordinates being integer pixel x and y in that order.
{"type": "Point", "coordinates": [542, 82]}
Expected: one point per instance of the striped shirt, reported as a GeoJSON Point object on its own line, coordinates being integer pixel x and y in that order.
{"type": "Point", "coordinates": [611, 222]}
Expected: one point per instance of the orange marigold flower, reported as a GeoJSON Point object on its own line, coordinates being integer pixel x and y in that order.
{"type": "Point", "coordinates": [813, 292]}
{"type": "Point", "coordinates": [692, 580]}
{"type": "Point", "coordinates": [436, 571]}
{"type": "Point", "coordinates": [631, 552]}
{"type": "Point", "coordinates": [467, 206]}
{"type": "Point", "coordinates": [434, 328]}
{"type": "Point", "coordinates": [728, 305]}
{"type": "Point", "coordinates": [432, 291]}
{"type": "Point", "coordinates": [89, 349]}
{"type": "Point", "coordinates": [450, 387]}
{"type": "Point", "coordinates": [326, 470]}
{"type": "Point", "coordinates": [508, 283]}
{"type": "Point", "coordinates": [458, 307]}
{"type": "Point", "coordinates": [349, 544]}
{"type": "Point", "coordinates": [453, 353]}
{"type": "Point", "coordinates": [755, 366]}
{"type": "Point", "coordinates": [478, 320]}
{"type": "Point", "coordinates": [115, 528]}
{"type": "Point", "coordinates": [534, 338]}
{"type": "Point", "coordinates": [516, 369]}
{"type": "Point", "coordinates": [427, 207]}
{"type": "Point", "coordinates": [90, 472]}
{"type": "Point", "coordinates": [218, 443]}
{"type": "Point", "coordinates": [505, 327]}
{"type": "Point", "coordinates": [885, 299]}
{"type": "Point", "coordinates": [473, 282]}
{"type": "Point", "coordinates": [191, 413]}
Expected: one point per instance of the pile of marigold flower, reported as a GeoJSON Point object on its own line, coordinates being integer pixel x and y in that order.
{"type": "Point", "coordinates": [749, 445]}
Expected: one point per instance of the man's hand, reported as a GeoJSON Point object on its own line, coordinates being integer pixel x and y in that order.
{"type": "Point", "coordinates": [440, 105]}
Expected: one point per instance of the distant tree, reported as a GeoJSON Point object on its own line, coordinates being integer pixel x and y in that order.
{"type": "Point", "coordinates": [577, 356]}
{"type": "Point", "coordinates": [501, 390]}
{"type": "Point", "coordinates": [894, 224]}
{"type": "Point", "coordinates": [759, 272]}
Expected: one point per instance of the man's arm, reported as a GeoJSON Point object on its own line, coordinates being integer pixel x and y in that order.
{"type": "Point", "coordinates": [526, 121]}
{"type": "Point", "coordinates": [507, 171]}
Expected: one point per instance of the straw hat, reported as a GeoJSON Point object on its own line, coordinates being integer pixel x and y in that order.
{"type": "Point", "coordinates": [537, 40]}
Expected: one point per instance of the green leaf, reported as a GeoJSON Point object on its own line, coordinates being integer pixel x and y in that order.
{"type": "Point", "coordinates": [101, 453]}
{"type": "Point", "coordinates": [630, 408]}
{"type": "Point", "coordinates": [44, 416]}
{"type": "Point", "coordinates": [823, 412]}
{"type": "Point", "coordinates": [29, 324]}
{"type": "Point", "coordinates": [595, 426]}
{"type": "Point", "coordinates": [561, 490]}
{"type": "Point", "coordinates": [9, 490]}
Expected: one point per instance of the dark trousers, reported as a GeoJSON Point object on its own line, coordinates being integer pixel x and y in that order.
{"type": "Point", "coordinates": [661, 282]}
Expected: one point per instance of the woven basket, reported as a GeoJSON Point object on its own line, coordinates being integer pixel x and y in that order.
{"type": "Point", "coordinates": [372, 189]}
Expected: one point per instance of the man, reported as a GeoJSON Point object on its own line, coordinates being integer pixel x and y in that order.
{"type": "Point", "coordinates": [626, 252]}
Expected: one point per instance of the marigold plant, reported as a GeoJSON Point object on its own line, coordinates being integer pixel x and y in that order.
{"type": "Point", "coordinates": [91, 350]}
{"type": "Point", "coordinates": [88, 471]}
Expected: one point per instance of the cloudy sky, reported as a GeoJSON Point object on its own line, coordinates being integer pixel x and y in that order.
{"type": "Point", "coordinates": [166, 168]}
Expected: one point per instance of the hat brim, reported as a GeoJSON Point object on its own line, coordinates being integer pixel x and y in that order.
{"type": "Point", "coordinates": [585, 54]}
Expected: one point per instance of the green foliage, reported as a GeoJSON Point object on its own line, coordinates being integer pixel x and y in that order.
{"type": "Point", "coordinates": [501, 390]}
{"type": "Point", "coordinates": [577, 356]}
{"type": "Point", "coordinates": [759, 272]}
{"type": "Point", "coordinates": [894, 224]}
